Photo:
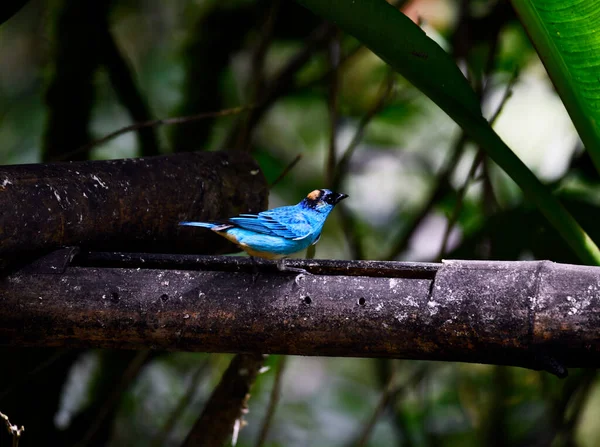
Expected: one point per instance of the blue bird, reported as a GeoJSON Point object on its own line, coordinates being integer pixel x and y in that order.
{"type": "Point", "coordinates": [279, 232]}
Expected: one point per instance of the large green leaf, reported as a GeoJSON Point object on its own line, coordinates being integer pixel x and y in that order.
{"type": "Point", "coordinates": [567, 38]}
{"type": "Point", "coordinates": [402, 44]}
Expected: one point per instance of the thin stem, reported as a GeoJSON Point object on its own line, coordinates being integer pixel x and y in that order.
{"type": "Point", "coordinates": [128, 91]}
{"type": "Point", "coordinates": [387, 87]}
{"type": "Point", "coordinates": [384, 400]}
{"type": "Point", "coordinates": [152, 123]}
{"type": "Point", "coordinates": [182, 405]}
{"type": "Point", "coordinates": [257, 79]}
{"type": "Point", "coordinates": [131, 372]}
{"type": "Point", "coordinates": [348, 220]}
{"type": "Point", "coordinates": [333, 53]}
{"type": "Point", "coordinates": [273, 401]}
{"type": "Point", "coordinates": [438, 191]}
{"type": "Point", "coordinates": [286, 170]}
{"type": "Point", "coordinates": [14, 431]}
{"type": "Point", "coordinates": [479, 158]}
{"type": "Point", "coordinates": [282, 84]}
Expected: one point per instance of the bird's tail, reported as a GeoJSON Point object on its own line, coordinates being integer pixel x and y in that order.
{"type": "Point", "coordinates": [199, 224]}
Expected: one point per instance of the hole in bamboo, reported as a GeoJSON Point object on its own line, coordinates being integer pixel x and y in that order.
{"type": "Point", "coordinates": [362, 301]}
{"type": "Point", "coordinates": [306, 300]}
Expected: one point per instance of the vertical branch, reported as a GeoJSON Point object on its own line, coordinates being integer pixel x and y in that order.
{"type": "Point", "coordinates": [577, 401]}
{"type": "Point", "coordinates": [387, 89]}
{"type": "Point", "coordinates": [281, 84]}
{"type": "Point", "coordinates": [495, 429]}
{"type": "Point", "coordinates": [391, 393]}
{"type": "Point", "coordinates": [127, 91]}
{"type": "Point", "coordinates": [273, 401]}
{"type": "Point", "coordinates": [257, 79]}
{"type": "Point", "coordinates": [459, 202]}
{"type": "Point", "coordinates": [227, 404]}
{"type": "Point", "coordinates": [341, 170]}
{"type": "Point", "coordinates": [333, 54]}
{"type": "Point", "coordinates": [438, 191]}
{"type": "Point", "coordinates": [70, 93]}
{"type": "Point", "coordinates": [216, 36]}
{"type": "Point", "coordinates": [182, 405]}
{"type": "Point", "coordinates": [384, 401]}
{"type": "Point", "coordinates": [469, 30]}
{"type": "Point", "coordinates": [479, 160]}
{"type": "Point", "coordinates": [96, 420]}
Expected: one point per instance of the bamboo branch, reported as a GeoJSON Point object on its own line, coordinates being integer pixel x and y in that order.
{"type": "Point", "coordinates": [538, 315]}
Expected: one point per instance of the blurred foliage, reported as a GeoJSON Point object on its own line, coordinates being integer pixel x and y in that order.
{"type": "Point", "coordinates": [405, 179]}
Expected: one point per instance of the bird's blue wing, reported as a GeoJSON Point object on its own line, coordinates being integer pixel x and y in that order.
{"type": "Point", "coordinates": [288, 222]}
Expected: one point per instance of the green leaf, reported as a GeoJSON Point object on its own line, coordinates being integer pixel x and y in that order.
{"type": "Point", "coordinates": [565, 34]}
{"type": "Point", "coordinates": [406, 48]}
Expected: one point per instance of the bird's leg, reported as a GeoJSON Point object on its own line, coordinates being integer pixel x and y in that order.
{"type": "Point", "coordinates": [284, 268]}
{"type": "Point", "coordinates": [256, 271]}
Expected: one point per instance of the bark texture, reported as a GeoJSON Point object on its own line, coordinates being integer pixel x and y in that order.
{"type": "Point", "coordinates": [132, 204]}
{"type": "Point", "coordinates": [538, 315]}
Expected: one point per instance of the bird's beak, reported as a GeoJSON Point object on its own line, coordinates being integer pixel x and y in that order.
{"type": "Point", "coordinates": [340, 197]}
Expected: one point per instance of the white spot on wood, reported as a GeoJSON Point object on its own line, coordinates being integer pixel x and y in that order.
{"type": "Point", "coordinates": [100, 182]}
{"type": "Point", "coordinates": [401, 316]}
{"type": "Point", "coordinates": [578, 305]}
{"type": "Point", "coordinates": [6, 182]}
{"type": "Point", "coordinates": [254, 172]}
{"type": "Point", "coordinates": [433, 307]}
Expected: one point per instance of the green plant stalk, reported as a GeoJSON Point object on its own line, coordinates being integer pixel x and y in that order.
{"type": "Point", "coordinates": [565, 35]}
{"type": "Point", "coordinates": [406, 48]}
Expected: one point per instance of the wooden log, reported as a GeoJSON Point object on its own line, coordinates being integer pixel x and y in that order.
{"type": "Point", "coordinates": [132, 204]}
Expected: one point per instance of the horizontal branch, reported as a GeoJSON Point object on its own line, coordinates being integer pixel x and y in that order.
{"type": "Point", "coordinates": [539, 315]}
{"type": "Point", "coordinates": [132, 204]}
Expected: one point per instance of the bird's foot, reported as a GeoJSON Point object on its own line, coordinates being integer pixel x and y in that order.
{"type": "Point", "coordinates": [255, 270]}
{"type": "Point", "coordinates": [301, 272]}
{"type": "Point", "coordinates": [284, 268]}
